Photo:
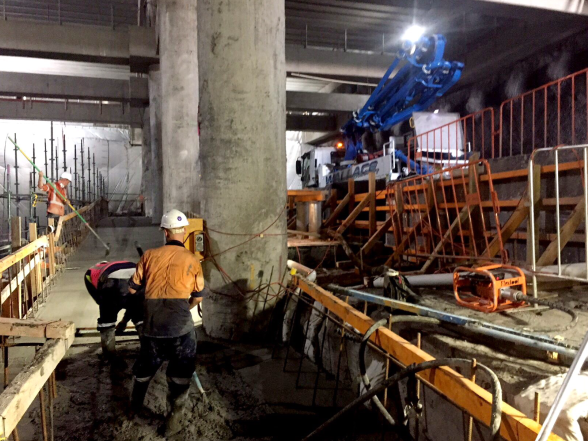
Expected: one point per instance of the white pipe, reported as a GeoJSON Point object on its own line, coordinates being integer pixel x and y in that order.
{"type": "Point", "coordinates": [308, 273]}
{"type": "Point", "coordinates": [422, 281]}
{"type": "Point", "coordinates": [577, 270]}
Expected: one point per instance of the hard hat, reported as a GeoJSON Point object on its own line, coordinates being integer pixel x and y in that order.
{"type": "Point", "coordinates": [67, 175]}
{"type": "Point", "coordinates": [174, 219]}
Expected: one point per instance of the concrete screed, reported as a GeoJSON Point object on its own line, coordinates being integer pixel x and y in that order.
{"type": "Point", "coordinates": [243, 186]}
{"type": "Point", "coordinates": [251, 398]}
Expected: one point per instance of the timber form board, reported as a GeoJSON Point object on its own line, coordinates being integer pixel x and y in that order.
{"type": "Point", "coordinates": [24, 388]}
{"type": "Point", "coordinates": [455, 387]}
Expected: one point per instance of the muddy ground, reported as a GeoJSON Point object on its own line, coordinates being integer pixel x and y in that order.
{"type": "Point", "coordinates": [93, 398]}
{"type": "Point", "coordinates": [250, 398]}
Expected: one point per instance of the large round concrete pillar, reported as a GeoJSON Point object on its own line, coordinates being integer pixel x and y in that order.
{"type": "Point", "coordinates": [178, 48]}
{"type": "Point", "coordinates": [243, 160]}
{"type": "Point", "coordinates": [156, 155]}
{"type": "Point", "coordinates": [146, 160]}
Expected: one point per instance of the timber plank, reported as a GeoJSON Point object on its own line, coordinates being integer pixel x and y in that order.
{"type": "Point", "coordinates": [549, 256]}
{"type": "Point", "coordinates": [347, 222]}
{"type": "Point", "coordinates": [16, 399]}
{"type": "Point", "coordinates": [376, 236]}
{"type": "Point", "coordinates": [37, 328]}
{"type": "Point", "coordinates": [465, 394]}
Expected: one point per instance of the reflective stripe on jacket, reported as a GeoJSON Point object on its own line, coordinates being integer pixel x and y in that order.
{"type": "Point", "coordinates": [99, 272]}
{"type": "Point", "coordinates": [55, 204]}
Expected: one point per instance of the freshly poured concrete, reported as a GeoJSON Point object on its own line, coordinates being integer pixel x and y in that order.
{"type": "Point", "coordinates": [68, 298]}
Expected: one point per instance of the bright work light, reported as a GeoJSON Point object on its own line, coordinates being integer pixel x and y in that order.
{"type": "Point", "coordinates": [413, 34]}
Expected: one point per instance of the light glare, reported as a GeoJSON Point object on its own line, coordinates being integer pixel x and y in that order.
{"type": "Point", "coordinates": [413, 34]}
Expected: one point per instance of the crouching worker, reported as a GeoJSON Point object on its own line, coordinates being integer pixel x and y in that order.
{"type": "Point", "coordinates": [108, 284]}
{"type": "Point", "coordinates": [172, 279]}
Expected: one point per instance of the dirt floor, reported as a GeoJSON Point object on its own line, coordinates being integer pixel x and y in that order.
{"type": "Point", "coordinates": [250, 396]}
{"type": "Point", "coordinates": [93, 398]}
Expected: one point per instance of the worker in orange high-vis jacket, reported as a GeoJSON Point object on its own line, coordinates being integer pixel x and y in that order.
{"type": "Point", "coordinates": [173, 281]}
{"type": "Point", "coordinates": [55, 204]}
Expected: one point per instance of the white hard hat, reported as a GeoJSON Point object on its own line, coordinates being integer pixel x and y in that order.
{"type": "Point", "coordinates": [67, 175]}
{"type": "Point", "coordinates": [174, 219]}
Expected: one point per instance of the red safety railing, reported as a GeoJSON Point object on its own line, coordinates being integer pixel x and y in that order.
{"type": "Point", "coordinates": [553, 114]}
{"type": "Point", "coordinates": [452, 143]}
{"type": "Point", "coordinates": [450, 216]}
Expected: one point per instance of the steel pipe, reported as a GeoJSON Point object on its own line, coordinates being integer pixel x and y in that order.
{"type": "Point", "coordinates": [539, 342]}
{"type": "Point", "coordinates": [422, 281]}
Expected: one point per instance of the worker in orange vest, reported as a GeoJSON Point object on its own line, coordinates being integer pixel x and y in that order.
{"type": "Point", "coordinates": [55, 203]}
{"type": "Point", "coordinates": [172, 280]}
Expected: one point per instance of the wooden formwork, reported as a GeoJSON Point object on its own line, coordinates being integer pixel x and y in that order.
{"type": "Point", "coordinates": [401, 211]}
{"type": "Point", "coordinates": [463, 393]}
{"type": "Point", "coordinates": [26, 276]}
{"type": "Point", "coordinates": [20, 393]}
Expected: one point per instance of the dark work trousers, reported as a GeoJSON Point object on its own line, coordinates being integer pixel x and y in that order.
{"type": "Point", "coordinates": [180, 351]}
{"type": "Point", "coordinates": [112, 297]}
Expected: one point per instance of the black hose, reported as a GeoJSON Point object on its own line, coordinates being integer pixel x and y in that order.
{"type": "Point", "coordinates": [495, 419]}
{"type": "Point", "coordinates": [399, 284]}
{"type": "Point", "coordinates": [520, 297]}
{"type": "Point", "coordinates": [362, 369]}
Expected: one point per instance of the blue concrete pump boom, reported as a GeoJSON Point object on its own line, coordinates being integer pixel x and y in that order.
{"type": "Point", "coordinates": [424, 77]}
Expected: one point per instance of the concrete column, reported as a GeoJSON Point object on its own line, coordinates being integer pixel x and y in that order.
{"type": "Point", "coordinates": [146, 179]}
{"type": "Point", "coordinates": [243, 160]}
{"type": "Point", "coordinates": [179, 101]}
{"type": "Point", "coordinates": [156, 155]}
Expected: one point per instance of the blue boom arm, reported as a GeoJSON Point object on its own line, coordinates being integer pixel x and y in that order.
{"type": "Point", "coordinates": [423, 77]}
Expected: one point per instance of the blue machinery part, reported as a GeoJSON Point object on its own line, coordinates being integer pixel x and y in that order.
{"type": "Point", "coordinates": [540, 342]}
{"type": "Point", "coordinates": [423, 78]}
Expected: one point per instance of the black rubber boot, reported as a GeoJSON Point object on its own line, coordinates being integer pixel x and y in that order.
{"type": "Point", "coordinates": [139, 329]}
{"type": "Point", "coordinates": [178, 398]}
{"type": "Point", "coordinates": [108, 342]}
{"type": "Point", "coordinates": [138, 395]}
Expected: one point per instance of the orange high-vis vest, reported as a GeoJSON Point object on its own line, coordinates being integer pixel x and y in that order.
{"type": "Point", "coordinates": [56, 205]}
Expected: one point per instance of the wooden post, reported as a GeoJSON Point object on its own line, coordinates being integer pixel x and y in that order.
{"type": "Point", "coordinates": [372, 196]}
{"type": "Point", "coordinates": [36, 278]}
{"type": "Point", "coordinates": [50, 223]}
{"type": "Point", "coordinates": [537, 408]}
{"type": "Point", "coordinates": [387, 365]}
{"type": "Point", "coordinates": [16, 228]}
{"type": "Point", "coordinates": [397, 214]}
{"type": "Point", "coordinates": [470, 419]}
{"type": "Point", "coordinates": [351, 203]}
{"type": "Point", "coordinates": [536, 179]}
{"type": "Point", "coordinates": [333, 199]}
{"type": "Point", "coordinates": [475, 213]}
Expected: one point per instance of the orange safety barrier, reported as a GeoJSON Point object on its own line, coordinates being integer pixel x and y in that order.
{"type": "Point", "coordinates": [553, 114]}
{"type": "Point", "coordinates": [449, 216]}
{"type": "Point", "coordinates": [448, 143]}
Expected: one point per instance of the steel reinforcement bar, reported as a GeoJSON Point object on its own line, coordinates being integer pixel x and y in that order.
{"type": "Point", "coordinates": [455, 387]}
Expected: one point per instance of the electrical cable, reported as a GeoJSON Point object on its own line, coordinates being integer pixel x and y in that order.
{"type": "Point", "coordinates": [362, 369]}
{"type": "Point", "coordinates": [409, 371]}
{"type": "Point", "coordinates": [520, 297]}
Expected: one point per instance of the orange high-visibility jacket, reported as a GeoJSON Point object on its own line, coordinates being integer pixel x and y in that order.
{"type": "Point", "coordinates": [55, 204]}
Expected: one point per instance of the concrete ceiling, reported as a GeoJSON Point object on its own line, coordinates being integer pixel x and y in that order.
{"type": "Point", "coordinates": [366, 25]}
{"type": "Point", "coordinates": [327, 37]}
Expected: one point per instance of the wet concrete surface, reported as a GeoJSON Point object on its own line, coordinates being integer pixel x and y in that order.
{"type": "Point", "coordinates": [252, 396]}
{"type": "Point", "coordinates": [68, 299]}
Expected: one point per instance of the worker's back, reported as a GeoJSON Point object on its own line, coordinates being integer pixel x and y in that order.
{"type": "Point", "coordinates": [169, 275]}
